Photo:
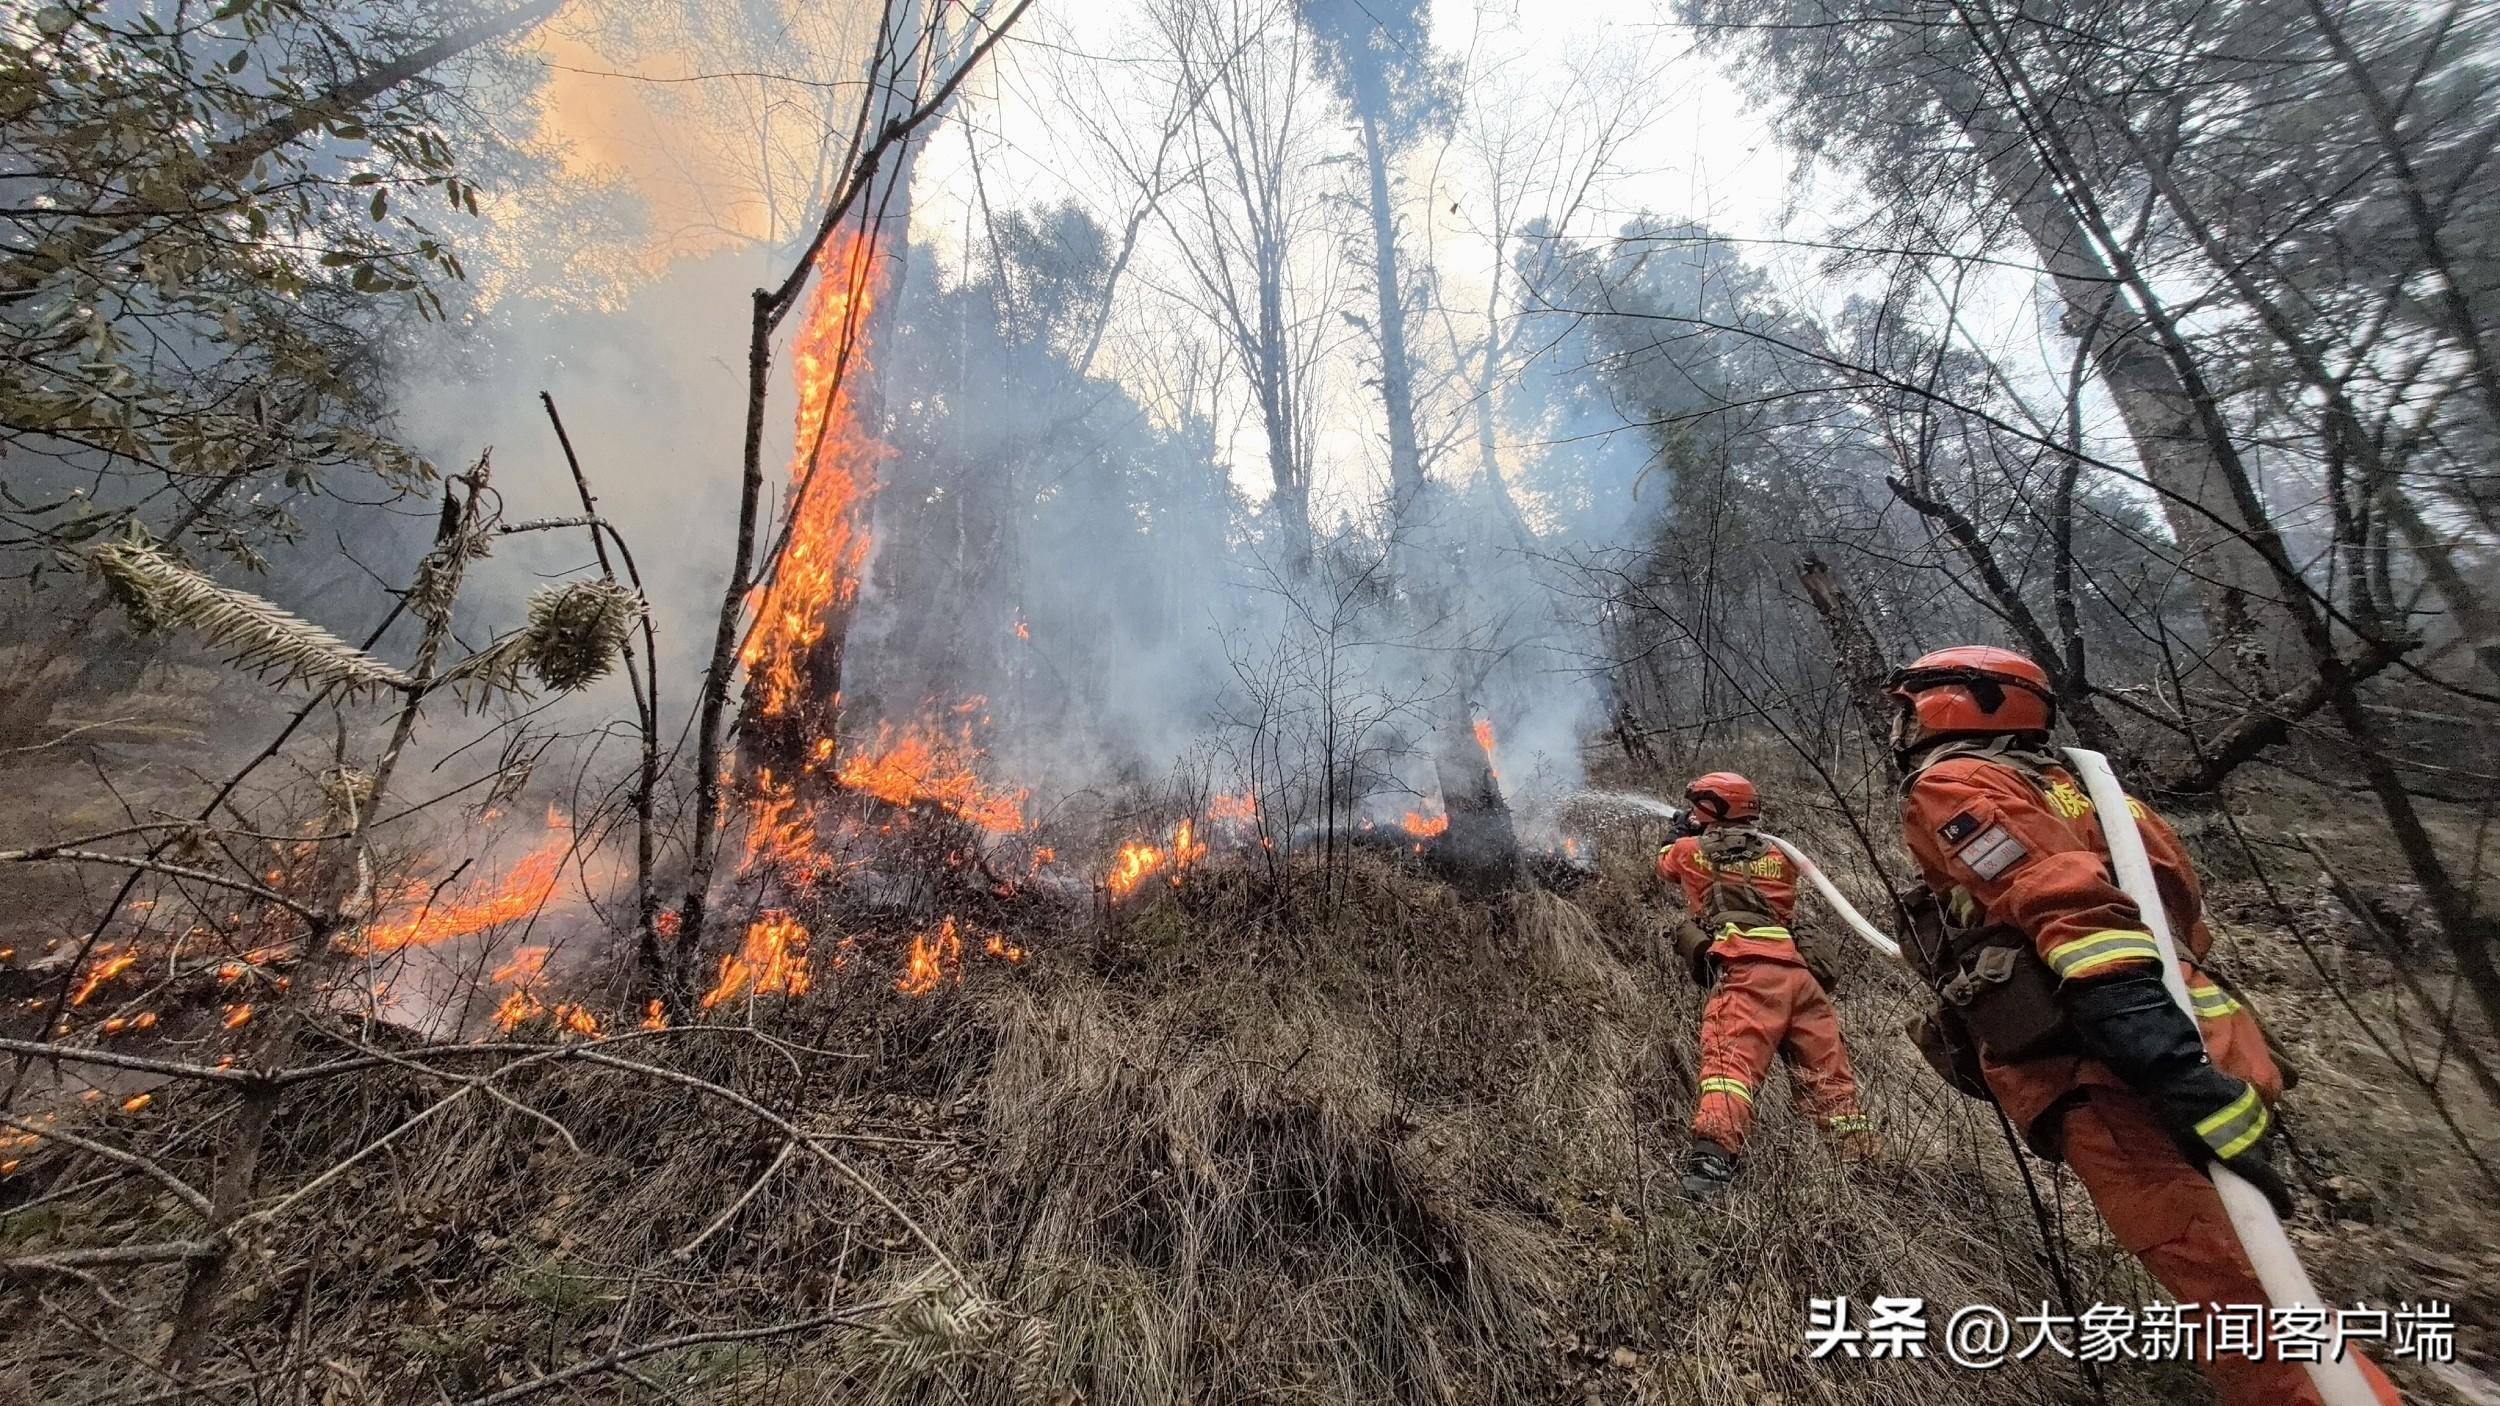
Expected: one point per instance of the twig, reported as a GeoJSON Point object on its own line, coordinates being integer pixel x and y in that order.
{"type": "Point", "coordinates": [68, 1261]}
{"type": "Point", "coordinates": [481, 1084]}
{"type": "Point", "coordinates": [189, 1195]}
{"type": "Point", "coordinates": [791, 1131]}
{"type": "Point", "coordinates": [38, 1049]}
{"type": "Point", "coordinates": [44, 854]}
{"type": "Point", "coordinates": [686, 1251]}
{"type": "Point", "coordinates": [613, 1360]}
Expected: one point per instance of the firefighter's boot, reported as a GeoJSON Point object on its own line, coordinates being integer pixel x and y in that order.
{"type": "Point", "coordinates": [1708, 1174]}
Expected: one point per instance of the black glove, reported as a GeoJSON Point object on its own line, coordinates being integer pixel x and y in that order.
{"type": "Point", "coordinates": [2130, 1024]}
{"type": "Point", "coordinates": [1684, 826]}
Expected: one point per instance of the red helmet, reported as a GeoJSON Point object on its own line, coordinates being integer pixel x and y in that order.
{"type": "Point", "coordinates": [1722, 797]}
{"type": "Point", "coordinates": [1970, 690]}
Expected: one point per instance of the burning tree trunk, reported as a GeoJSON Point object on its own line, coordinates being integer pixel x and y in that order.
{"type": "Point", "coordinates": [802, 649]}
{"type": "Point", "coordinates": [793, 651]}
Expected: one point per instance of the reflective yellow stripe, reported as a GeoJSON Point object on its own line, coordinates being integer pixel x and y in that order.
{"type": "Point", "coordinates": [2237, 1127]}
{"type": "Point", "coordinates": [1731, 931]}
{"type": "Point", "coordinates": [1727, 1086]}
{"type": "Point", "coordinates": [2101, 949]}
{"type": "Point", "coordinates": [2213, 1003]}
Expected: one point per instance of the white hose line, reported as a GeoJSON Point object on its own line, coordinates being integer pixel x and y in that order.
{"type": "Point", "coordinates": [2269, 1250]}
{"type": "Point", "coordinates": [1848, 911]}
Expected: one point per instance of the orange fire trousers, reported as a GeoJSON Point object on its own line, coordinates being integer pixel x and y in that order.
{"type": "Point", "coordinates": [2169, 1216]}
{"type": "Point", "coordinates": [1759, 1007]}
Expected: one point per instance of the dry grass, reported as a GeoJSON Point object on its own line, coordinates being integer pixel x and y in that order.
{"type": "Point", "coordinates": [1409, 1150]}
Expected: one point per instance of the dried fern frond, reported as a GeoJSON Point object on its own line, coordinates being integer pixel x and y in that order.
{"type": "Point", "coordinates": [1031, 1348]}
{"type": "Point", "coordinates": [937, 1321]}
{"type": "Point", "coordinates": [161, 594]}
{"type": "Point", "coordinates": [573, 637]}
{"type": "Point", "coordinates": [577, 630]}
{"type": "Point", "coordinates": [430, 596]}
{"type": "Point", "coordinates": [346, 790]}
{"type": "Point", "coordinates": [496, 667]}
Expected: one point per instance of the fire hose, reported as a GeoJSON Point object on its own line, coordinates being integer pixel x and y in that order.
{"type": "Point", "coordinates": [2269, 1250]}
{"type": "Point", "coordinates": [1848, 911]}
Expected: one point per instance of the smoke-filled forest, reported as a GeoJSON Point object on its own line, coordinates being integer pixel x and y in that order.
{"type": "Point", "coordinates": [1018, 701]}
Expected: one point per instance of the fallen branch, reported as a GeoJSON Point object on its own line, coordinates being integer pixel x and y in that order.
{"type": "Point", "coordinates": [182, 1190]}
{"type": "Point", "coordinates": [686, 1251]}
{"type": "Point", "coordinates": [45, 854]}
{"type": "Point", "coordinates": [611, 1361]}
{"type": "Point", "coordinates": [71, 1261]}
{"type": "Point", "coordinates": [791, 1131]}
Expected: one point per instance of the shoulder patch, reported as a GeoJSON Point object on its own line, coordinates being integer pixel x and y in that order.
{"type": "Point", "coordinates": [1961, 827]}
{"type": "Point", "coordinates": [1993, 853]}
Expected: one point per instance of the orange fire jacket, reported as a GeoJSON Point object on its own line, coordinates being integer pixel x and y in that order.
{"type": "Point", "coordinates": [1998, 844]}
{"type": "Point", "coordinates": [1682, 865]}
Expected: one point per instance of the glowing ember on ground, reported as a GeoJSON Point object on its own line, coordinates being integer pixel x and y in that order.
{"type": "Point", "coordinates": [772, 961]}
{"type": "Point", "coordinates": [237, 1017]}
{"type": "Point", "coordinates": [136, 1102]}
{"type": "Point", "coordinates": [103, 972]}
{"type": "Point", "coordinates": [522, 893]}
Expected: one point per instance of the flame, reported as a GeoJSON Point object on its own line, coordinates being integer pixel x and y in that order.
{"type": "Point", "coordinates": [773, 960]}
{"type": "Point", "coordinates": [999, 947]}
{"type": "Point", "coordinates": [1130, 867]}
{"type": "Point", "coordinates": [136, 1102]}
{"type": "Point", "coordinates": [1227, 809]}
{"type": "Point", "coordinates": [1023, 630]}
{"type": "Point", "coordinates": [915, 764]}
{"type": "Point", "coordinates": [237, 1017]}
{"type": "Point", "coordinates": [1416, 823]}
{"type": "Point", "coordinates": [523, 1006]}
{"type": "Point", "coordinates": [523, 892]}
{"type": "Point", "coordinates": [523, 968]}
{"type": "Point", "coordinates": [935, 956]}
{"type": "Point", "coordinates": [1135, 860]}
{"type": "Point", "coordinates": [818, 575]}
{"type": "Point", "coordinates": [655, 1016]}
{"type": "Point", "coordinates": [1484, 736]}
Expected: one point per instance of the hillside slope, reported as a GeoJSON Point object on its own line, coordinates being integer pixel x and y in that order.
{"type": "Point", "coordinates": [1223, 1144]}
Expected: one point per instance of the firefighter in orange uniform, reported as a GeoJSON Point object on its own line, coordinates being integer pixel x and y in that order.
{"type": "Point", "coordinates": [2051, 995]}
{"type": "Point", "coordinates": [1741, 893]}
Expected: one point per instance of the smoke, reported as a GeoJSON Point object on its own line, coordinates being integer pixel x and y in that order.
{"type": "Point", "coordinates": [1062, 561]}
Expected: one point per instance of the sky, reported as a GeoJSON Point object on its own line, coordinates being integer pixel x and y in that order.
{"type": "Point", "coordinates": [1706, 153]}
